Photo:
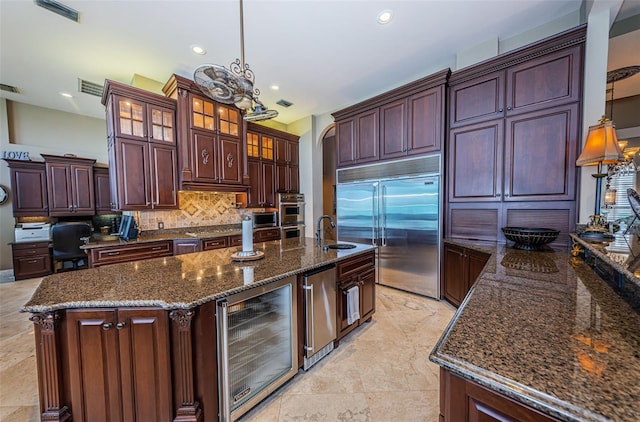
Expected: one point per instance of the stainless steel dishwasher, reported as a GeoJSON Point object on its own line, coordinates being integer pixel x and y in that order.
{"type": "Point", "coordinates": [320, 313]}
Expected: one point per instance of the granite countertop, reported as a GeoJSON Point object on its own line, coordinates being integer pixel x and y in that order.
{"type": "Point", "coordinates": [544, 329]}
{"type": "Point", "coordinates": [200, 232]}
{"type": "Point", "coordinates": [183, 281]}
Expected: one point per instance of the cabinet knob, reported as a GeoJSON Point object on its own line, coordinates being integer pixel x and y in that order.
{"type": "Point", "coordinates": [508, 108]}
{"type": "Point", "coordinates": [506, 195]}
{"type": "Point", "coordinates": [498, 195]}
{"type": "Point", "coordinates": [120, 325]}
{"type": "Point", "coordinates": [107, 326]}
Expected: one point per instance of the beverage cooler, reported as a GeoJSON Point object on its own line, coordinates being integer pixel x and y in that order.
{"type": "Point", "coordinates": [256, 345]}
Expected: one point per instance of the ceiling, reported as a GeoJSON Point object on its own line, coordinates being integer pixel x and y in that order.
{"type": "Point", "coordinates": [323, 54]}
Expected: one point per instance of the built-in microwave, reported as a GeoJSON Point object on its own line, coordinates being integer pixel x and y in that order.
{"type": "Point", "coordinates": [265, 219]}
{"type": "Point", "coordinates": [291, 232]}
{"type": "Point", "coordinates": [291, 207]}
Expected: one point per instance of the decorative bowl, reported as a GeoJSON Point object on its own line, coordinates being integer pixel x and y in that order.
{"type": "Point", "coordinates": [530, 239]}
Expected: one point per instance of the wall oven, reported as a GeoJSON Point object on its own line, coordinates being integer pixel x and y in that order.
{"type": "Point", "coordinates": [291, 206]}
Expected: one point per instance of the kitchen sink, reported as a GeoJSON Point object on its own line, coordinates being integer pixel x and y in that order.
{"type": "Point", "coordinates": [340, 246]}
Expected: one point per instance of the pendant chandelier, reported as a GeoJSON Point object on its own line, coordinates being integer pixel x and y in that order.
{"type": "Point", "coordinates": [234, 85]}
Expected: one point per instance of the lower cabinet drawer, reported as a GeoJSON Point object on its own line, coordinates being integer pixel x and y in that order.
{"type": "Point", "coordinates": [117, 254]}
{"type": "Point", "coordinates": [235, 240]}
{"type": "Point", "coordinates": [266, 235]}
{"type": "Point", "coordinates": [33, 266]}
{"type": "Point", "coordinates": [215, 243]}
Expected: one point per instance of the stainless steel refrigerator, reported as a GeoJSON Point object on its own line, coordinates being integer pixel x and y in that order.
{"type": "Point", "coordinates": [400, 215]}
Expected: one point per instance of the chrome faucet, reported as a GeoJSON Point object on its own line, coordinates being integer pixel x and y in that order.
{"type": "Point", "coordinates": [319, 229]}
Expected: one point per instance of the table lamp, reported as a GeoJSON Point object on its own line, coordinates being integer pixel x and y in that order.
{"type": "Point", "coordinates": [600, 148]}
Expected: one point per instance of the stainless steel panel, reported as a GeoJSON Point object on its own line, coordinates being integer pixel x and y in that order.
{"type": "Point", "coordinates": [320, 308]}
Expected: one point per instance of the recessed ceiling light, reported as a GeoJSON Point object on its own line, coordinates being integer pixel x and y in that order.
{"type": "Point", "coordinates": [275, 87]}
{"type": "Point", "coordinates": [66, 95]}
{"type": "Point", "coordinates": [385, 17]}
{"type": "Point", "coordinates": [198, 50]}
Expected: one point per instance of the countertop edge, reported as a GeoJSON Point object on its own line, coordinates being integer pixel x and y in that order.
{"type": "Point", "coordinates": [200, 301]}
{"type": "Point", "coordinates": [521, 393]}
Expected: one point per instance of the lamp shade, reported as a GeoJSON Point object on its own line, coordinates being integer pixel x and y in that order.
{"type": "Point", "coordinates": [601, 146]}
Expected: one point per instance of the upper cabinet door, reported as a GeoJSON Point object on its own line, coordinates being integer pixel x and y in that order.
{"type": "Point", "coordinates": [130, 118]}
{"type": "Point", "coordinates": [540, 155]}
{"type": "Point", "coordinates": [82, 189]}
{"type": "Point", "coordinates": [393, 128]}
{"type": "Point", "coordinates": [230, 151]}
{"type": "Point", "coordinates": [229, 121]}
{"type": "Point", "coordinates": [426, 122]}
{"type": "Point", "coordinates": [477, 100]}
{"type": "Point", "coordinates": [132, 167]}
{"type": "Point", "coordinates": [475, 162]}
{"type": "Point", "coordinates": [163, 177]}
{"type": "Point", "coordinates": [544, 82]}
{"type": "Point", "coordinates": [204, 156]}
{"type": "Point", "coordinates": [162, 125]}
{"type": "Point", "coordinates": [59, 187]}
{"type": "Point", "coordinates": [367, 136]}
{"type": "Point", "coordinates": [203, 114]}
{"type": "Point", "coordinates": [345, 135]}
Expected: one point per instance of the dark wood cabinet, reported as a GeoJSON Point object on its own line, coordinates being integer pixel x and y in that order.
{"type": "Point", "coordinates": [70, 189]}
{"type": "Point", "coordinates": [183, 246]}
{"type": "Point", "coordinates": [357, 271]}
{"type": "Point", "coordinates": [132, 252]}
{"type": "Point", "coordinates": [215, 243]}
{"type": "Point", "coordinates": [461, 267]}
{"type": "Point", "coordinates": [359, 139]}
{"type": "Point", "coordinates": [32, 259]}
{"type": "Point", "coordinates": [475, 162]}
{"type": "Point", "coordinates": [119, 364]}
{"type": "Point", "coordinates": [408, 121]}
{"type": "Point", "coordinates": [287, 164]}
{"type": "Point", "coordinates": [102, 190]}
{"type": "Point", "coordinates": [142, 148]}
{"type": "Point", "coordinates": [466, 401]}
{"type": "Point", "coordinates": [210, 139]}
{"type": "Point", "coordinates": [514, 136]}
{"type": "Point", "coordinates": [28, 188]}
{"type": "Point", "coordinates": [261, 169]}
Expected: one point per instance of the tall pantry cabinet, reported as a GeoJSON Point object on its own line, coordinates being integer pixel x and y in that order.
{"type": "Point", "coordinates": [141, 131]}
{"type": "Point", "coordinates": [514, 127]}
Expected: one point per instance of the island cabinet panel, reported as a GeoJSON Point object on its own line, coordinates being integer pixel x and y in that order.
{"type": "Point", "coordinates": [514, 130]}
{"type": "Point", "coordinates": [118, 362]}
{"type": "Point", "coordinates": [141, 134]}
{"type": "Point", "coordinates": [358, 271]}
{"type": "Point", "coordinates": [466, 401]}
{"type": "Point", "coordinates": [460, 269]}
{"type": "Point", "coordinates": [28, 188]}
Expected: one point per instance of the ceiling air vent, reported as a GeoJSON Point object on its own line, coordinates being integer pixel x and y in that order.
{"type": "Point", "coordinates": [9, 88]}
{"type": "Point", "coordinates": [59, 9]}
{"type": "Point", "coordinates": [284, 103]}
{"type": "Point", "coordinates": [90, 88]}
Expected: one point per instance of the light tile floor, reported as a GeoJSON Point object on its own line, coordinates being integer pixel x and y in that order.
{"type": "Point", "coordinates": [380, 372]}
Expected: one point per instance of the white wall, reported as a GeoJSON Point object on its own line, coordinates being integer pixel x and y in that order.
{"type": "Point", "coordinates": [38, 130]}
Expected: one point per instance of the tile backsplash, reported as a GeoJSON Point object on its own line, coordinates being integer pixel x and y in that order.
{"type": "Point", "coordinates": [196, 209]}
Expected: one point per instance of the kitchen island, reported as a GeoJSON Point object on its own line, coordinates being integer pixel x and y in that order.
{"type": "Point", "coordinates": [138, 340]}
{"type": "Point", "coordinates": [542, 337]}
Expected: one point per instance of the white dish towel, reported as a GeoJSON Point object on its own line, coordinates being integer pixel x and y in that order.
{"type": "Point", "coordinates": [353, 305]}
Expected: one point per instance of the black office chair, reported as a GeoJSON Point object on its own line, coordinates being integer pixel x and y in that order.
{"type": "Point", "coordinates": [67, 239]}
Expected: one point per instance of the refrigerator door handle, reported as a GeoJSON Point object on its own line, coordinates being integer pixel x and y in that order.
{"type": "Point", "coordinates": [383, 225]}
{"type": "Point", "coordinates": [374, 239]}
{"type": "Point", "coordinates": [309, 346]}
